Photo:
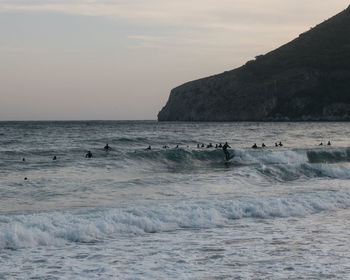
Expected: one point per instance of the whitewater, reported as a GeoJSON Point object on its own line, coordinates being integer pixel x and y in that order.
{"type": "Point", "coordinates": [175, 213]}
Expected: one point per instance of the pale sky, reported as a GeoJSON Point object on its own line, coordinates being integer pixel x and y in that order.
{"type": "Point", "coordinates": [119, 59]}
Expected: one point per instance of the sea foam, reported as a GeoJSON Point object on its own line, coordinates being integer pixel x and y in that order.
{"type": "Point", "coordinates": [60, 227]}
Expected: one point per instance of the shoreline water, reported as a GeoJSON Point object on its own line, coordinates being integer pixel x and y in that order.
{"type": "Point", "coordinates": [167, 213]}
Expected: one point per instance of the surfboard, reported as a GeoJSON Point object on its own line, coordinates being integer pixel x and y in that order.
{"type": "Point", "coordinates": [229, 160]}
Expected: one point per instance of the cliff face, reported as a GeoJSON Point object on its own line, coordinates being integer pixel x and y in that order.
{"type": "Point", "coordinates": [306, 79]}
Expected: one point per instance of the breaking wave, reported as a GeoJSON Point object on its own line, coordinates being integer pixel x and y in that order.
{"type": "Point", "coordinates": [59, 228]}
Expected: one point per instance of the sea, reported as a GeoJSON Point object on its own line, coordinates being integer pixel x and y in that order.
{"type": "Point", "coordinates": [174, 213]}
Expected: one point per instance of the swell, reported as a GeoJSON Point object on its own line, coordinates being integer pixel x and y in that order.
{"type": "Point", "coordinates": [281, 164]}
{"type": "Point", "coordinates": [58, 228]}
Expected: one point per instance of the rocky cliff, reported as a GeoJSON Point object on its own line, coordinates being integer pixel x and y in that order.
{"type": "Point", "coordinates": [306, 79]}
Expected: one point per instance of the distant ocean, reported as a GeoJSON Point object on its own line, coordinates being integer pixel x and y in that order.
{"type": "Point", "coordinates": [176, 213]}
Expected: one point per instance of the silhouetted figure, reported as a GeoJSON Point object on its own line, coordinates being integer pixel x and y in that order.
{"type": "Point", "coordinates": [226, 152]}
{"type": "Point", "coordinates": [329, 143]}
{"type": "Point", "coordinates": [263, 145]}
{"type": "Point", "coordinates": [88, 155]}
{"type": "Point", "coordinates": [216, 146]}
{"type": "Point", "coordinates": [321, 144]}
{"type": "Point", "coordinates": [25, 178]}
{"type": "Point", "coordinates": [23, 159]}
{"type": "Point", "coordinates": [54, 158]}
{"type": "Point", "coordinates": [149, 147]}
{"type": "Point", "coordinates": [220, 146]}
{"type": "Point", "coordinates": [280, 144]}
{"type": "Point", "coordinates": [210, 145]}
{"type": "Point", "coordinates": [254, 146]}
{"type": "Point", "coordinates": [276, 145]}
{"type": "Point", "coordinates": [165, 147]}
{"type": "Point", "coordinates": [107, 148]}
{"type": "Point", "coordinates": [202, 146]}
{"type": "Point", "coordinates": [177, 146]}
{"type": "Point", "coordinates": [198, 146]}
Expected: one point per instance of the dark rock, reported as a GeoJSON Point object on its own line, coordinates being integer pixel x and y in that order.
{"type": "Point", "coordinates": [306, 79]}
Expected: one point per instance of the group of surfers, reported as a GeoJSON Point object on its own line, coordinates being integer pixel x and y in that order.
{"type": "Point", "coordinates": [224, 147]}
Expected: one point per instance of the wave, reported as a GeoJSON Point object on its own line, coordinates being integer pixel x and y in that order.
{"type": "Point", "coordinates": [277, 164]}
{"type": "Point", "coordinates": [243, 157]}
{"type": "Point", "coordinates": [58, 228]}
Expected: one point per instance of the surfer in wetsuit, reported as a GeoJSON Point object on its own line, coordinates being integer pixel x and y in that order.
{"type": "Point", "coordinates": [255, 146]}
{"type": "Point", "coordinates": [149, 148]}
{"type": "Point", "coordinates": [226, 152]}
{"type": "Point", "coordinates": [107, 148]}
{"type": "Point", "coordinates": [329, 143]}
{"type": "Point", "coordinates": [88, 155]}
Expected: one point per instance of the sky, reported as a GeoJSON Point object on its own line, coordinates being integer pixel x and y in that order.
{"type": "Point", "coordinates": [119, 59]}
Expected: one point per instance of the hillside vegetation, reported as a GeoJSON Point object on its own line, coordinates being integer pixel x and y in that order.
{"type": "Point", "coordinates": [306, 79]}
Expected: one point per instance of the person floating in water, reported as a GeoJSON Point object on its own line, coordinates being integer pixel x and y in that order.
{"type": "Point", "coordinates": [226, 152]}
{"type": "Point", "coordinates": [276, 145]}
{"type": "Point", "coordinates": [88, 155]}
{"type": "Point", "coordinates": [329, 143]}
{"type": "Point", "coordinates": [321, 144]}
{"type": "Point", "coordinates": [107, 148]}
{"type": "Point", "coordinates": [54, 158]}
{"type": "Point", "coordinates": [177, 146]}
{"type": "Point", "coordinates": [210, 145]}
{"type": "Point", "coordinates": [263, 145]}
{"type": "Point", "coordinates": [220, 146]}
{"type": "Point", "coordinates": [165, 147]}
{"type": "Point", "coordinates": [149, 148]}
{"type": "Point", "coordinates": [280, 144]}
{"type": "Point", "coordinates": [255, 146]}
{"type": "Point", "coordinates": [23, 159]}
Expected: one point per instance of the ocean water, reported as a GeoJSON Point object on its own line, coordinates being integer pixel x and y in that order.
{"type": "Point", "coordinates": [130, 213]}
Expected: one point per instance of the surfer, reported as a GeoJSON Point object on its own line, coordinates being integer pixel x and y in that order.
{"type": "Point", "coordinates": [280, 144]}
{"type": "Point", "coordinates": [23, 159]}
{"type": "Point", "coordinates": [321, 144]}
{"type": "Point", "coordinates": [276, 145]}
{"type": "Point", "coordinates": [329, 143]}
{"type": "Point", "coordinates": [149, 148]}
{"type": "Point", "coordinates": [263, 145]}
{"type": "Point", "coordinates": [54, 158]}
{"type": "Point", "coordinates": [107, 148]}
{"type": "Point", "coordinates": [88, 155]}
{"type": "Point", "coordinates": [226, 152]}
{"type": "Point", "coordinates": [255, 146]}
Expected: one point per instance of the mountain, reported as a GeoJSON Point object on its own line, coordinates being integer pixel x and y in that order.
{"type": "Point", "coordinates": [305, 79]}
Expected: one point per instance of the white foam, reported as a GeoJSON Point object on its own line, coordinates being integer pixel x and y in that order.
{"type": "Point", "coordinates": [270, 156]}
{"type": "Point", "coordinates": [58, 228]}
